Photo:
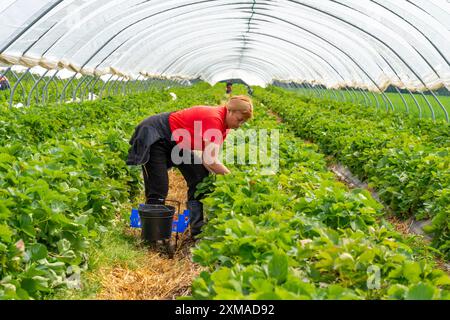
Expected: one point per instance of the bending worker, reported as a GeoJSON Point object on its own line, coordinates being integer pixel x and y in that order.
{"type": "Point", "coordinates": [190, 140]}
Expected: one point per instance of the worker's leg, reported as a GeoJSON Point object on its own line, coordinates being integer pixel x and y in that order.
{"type": "Point", "coordinates": [194, 174]}
{"type": "Point", "coordinates": [156, 178]}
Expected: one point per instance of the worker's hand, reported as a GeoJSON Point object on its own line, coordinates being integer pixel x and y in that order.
{"type": "Point", "coordinates": [211, 161]}
{"type": "Point", "coordinates": [217, 168]}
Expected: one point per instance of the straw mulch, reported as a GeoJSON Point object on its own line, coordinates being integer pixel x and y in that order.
{"type": "Point", "coordinates": [158, 277]}
{"type": "Point", "coordinates": [400, 225]}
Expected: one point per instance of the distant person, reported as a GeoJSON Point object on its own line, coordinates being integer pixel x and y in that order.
{"type": "Point", "coordinates": [4, 83]}
{"type": "Point", "coordinates": [229, 88]}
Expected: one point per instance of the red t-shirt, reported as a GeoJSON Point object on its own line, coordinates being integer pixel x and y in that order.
{"type": "Point", "coordinates": [191, 127]}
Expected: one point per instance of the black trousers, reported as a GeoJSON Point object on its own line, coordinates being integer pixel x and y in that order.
{"type": "Point", "coordinates": [156, 178]}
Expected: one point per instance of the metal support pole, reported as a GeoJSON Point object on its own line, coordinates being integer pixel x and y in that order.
{"type": "Point", "coordinates": [148, 84]}
{"type": "Point", "coordinates": [369, 95]}
{"type": "Point", "coordinates": [4, 73]}
{"type": "Point", "coordinates": [310, 90]}
{"type": "Point", "coordinates": [389, 101]}
{"type": "Point", "coordinates": [322, 93]}
{"type": "Point", "coordinates": [141, 85]}
{"type": "Point", "coordinates": [385, 102]}
{"type": "Point", "coordinates": [11, 98]}
{"type": "Point", "coordinates": [302, 89]}
{"type": "Point", "coordinates": [441, 105]}
{"type": "Point", "coordinates": [63, 93]}
{"type": "Point", "coordinates": [45, 89]}
{"type": "Point", "coordinates": [119, 88]}
{"type": "Point", "coordinates": [74, 92]}
{"type": "Point", "coordinates": [30, 94]}
{"type": "Point", "coordinates": [135, 87]}
{"type": "Point", "coordinates": [136, 84]}
{"type": "Point", "coordinates": [116, 88]}
{"type": "Point", "coordinates": [350, 96]}
{"type": "Point", "coordinates": [416, 102]}
{"type": "Point", "coordinates": [111, 85]}
{"type": "Point", "coordinates": [125, 87]}
{"type": "Point", "coordinates": [376, 99]}
{"type": "Point", "coordinates": [433, 116]}
{"type": "Point", "coordinates": [24, 92]}
{"type": "Point", "coordinates": [122, 87]}
{"type": "Point", "coordinates": [103, 87]}
{"type": "Point", "coordinates": [353, 95]}
{"type": "Point", "coordinates": [151, 84]}
{"type": "Point", "coordinates": [342, 94]}
{"type": "Point", "coordinates": [317, 92]}
{"type": "Point", "coordinates": [92, 89]}
{"type": "Point", "coordinates": [403, 99]}
{"type": "Point", "coordinates": [294, 85]}
{"type": "Point", "coordinates": [327, 93]}
{"type": "Point", "coordinates": [17, 81]}
{"type": "Point", "coordinates": [132, 87]}
{"type": "Point", "coordinates": [360, 94]}
{"type": "Point", "coordinates": [357, 100]}
{"type": "Point", "coordinates": [365, 92]}
{"type": "Point", "coordinates": [334, 95]}
{"type": "Point", "coordinates": [366, 97]}
{"type": "Point", "coordinates": [362, 98]}
{"type": "Point", "coordinates": [86, 89]}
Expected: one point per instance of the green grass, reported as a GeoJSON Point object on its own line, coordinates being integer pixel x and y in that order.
{"type": "Point", "coordinates": [115, 248]}
{"type": "Point", "coordinates": [397, 103]}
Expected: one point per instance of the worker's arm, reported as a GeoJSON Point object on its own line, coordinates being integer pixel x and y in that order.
{"type": "Point", "coordinates": [210, 158]}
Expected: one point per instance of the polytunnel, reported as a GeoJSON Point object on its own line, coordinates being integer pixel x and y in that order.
{"type": "Point", "coordinates": [333, 183]}
{"type": "Point", "coordinates": [365, 46]}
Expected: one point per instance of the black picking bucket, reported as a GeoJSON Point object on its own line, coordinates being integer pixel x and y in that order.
{"type": "Point", "coordinates": [156, 221]}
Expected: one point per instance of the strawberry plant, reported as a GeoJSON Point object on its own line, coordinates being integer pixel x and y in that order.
{"type": "Point", "coordinates": [406, 160]}
{"type": "Point", "coordinates": [299, 234]}
{"type": "Point", "coordinates": [63, 179]}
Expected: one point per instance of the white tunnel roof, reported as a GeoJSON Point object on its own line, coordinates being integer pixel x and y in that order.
{"type": "Point", "coordinates": [363, 43]}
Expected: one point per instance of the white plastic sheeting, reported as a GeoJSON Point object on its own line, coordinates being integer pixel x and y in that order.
{"type": "Point", "coordinates": [360, 43]}
{"type": "Point", "coordinates": [39, 71]}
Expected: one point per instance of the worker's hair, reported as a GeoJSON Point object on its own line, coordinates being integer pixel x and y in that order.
{"type": "Point", "coordinates": [241, 103]}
